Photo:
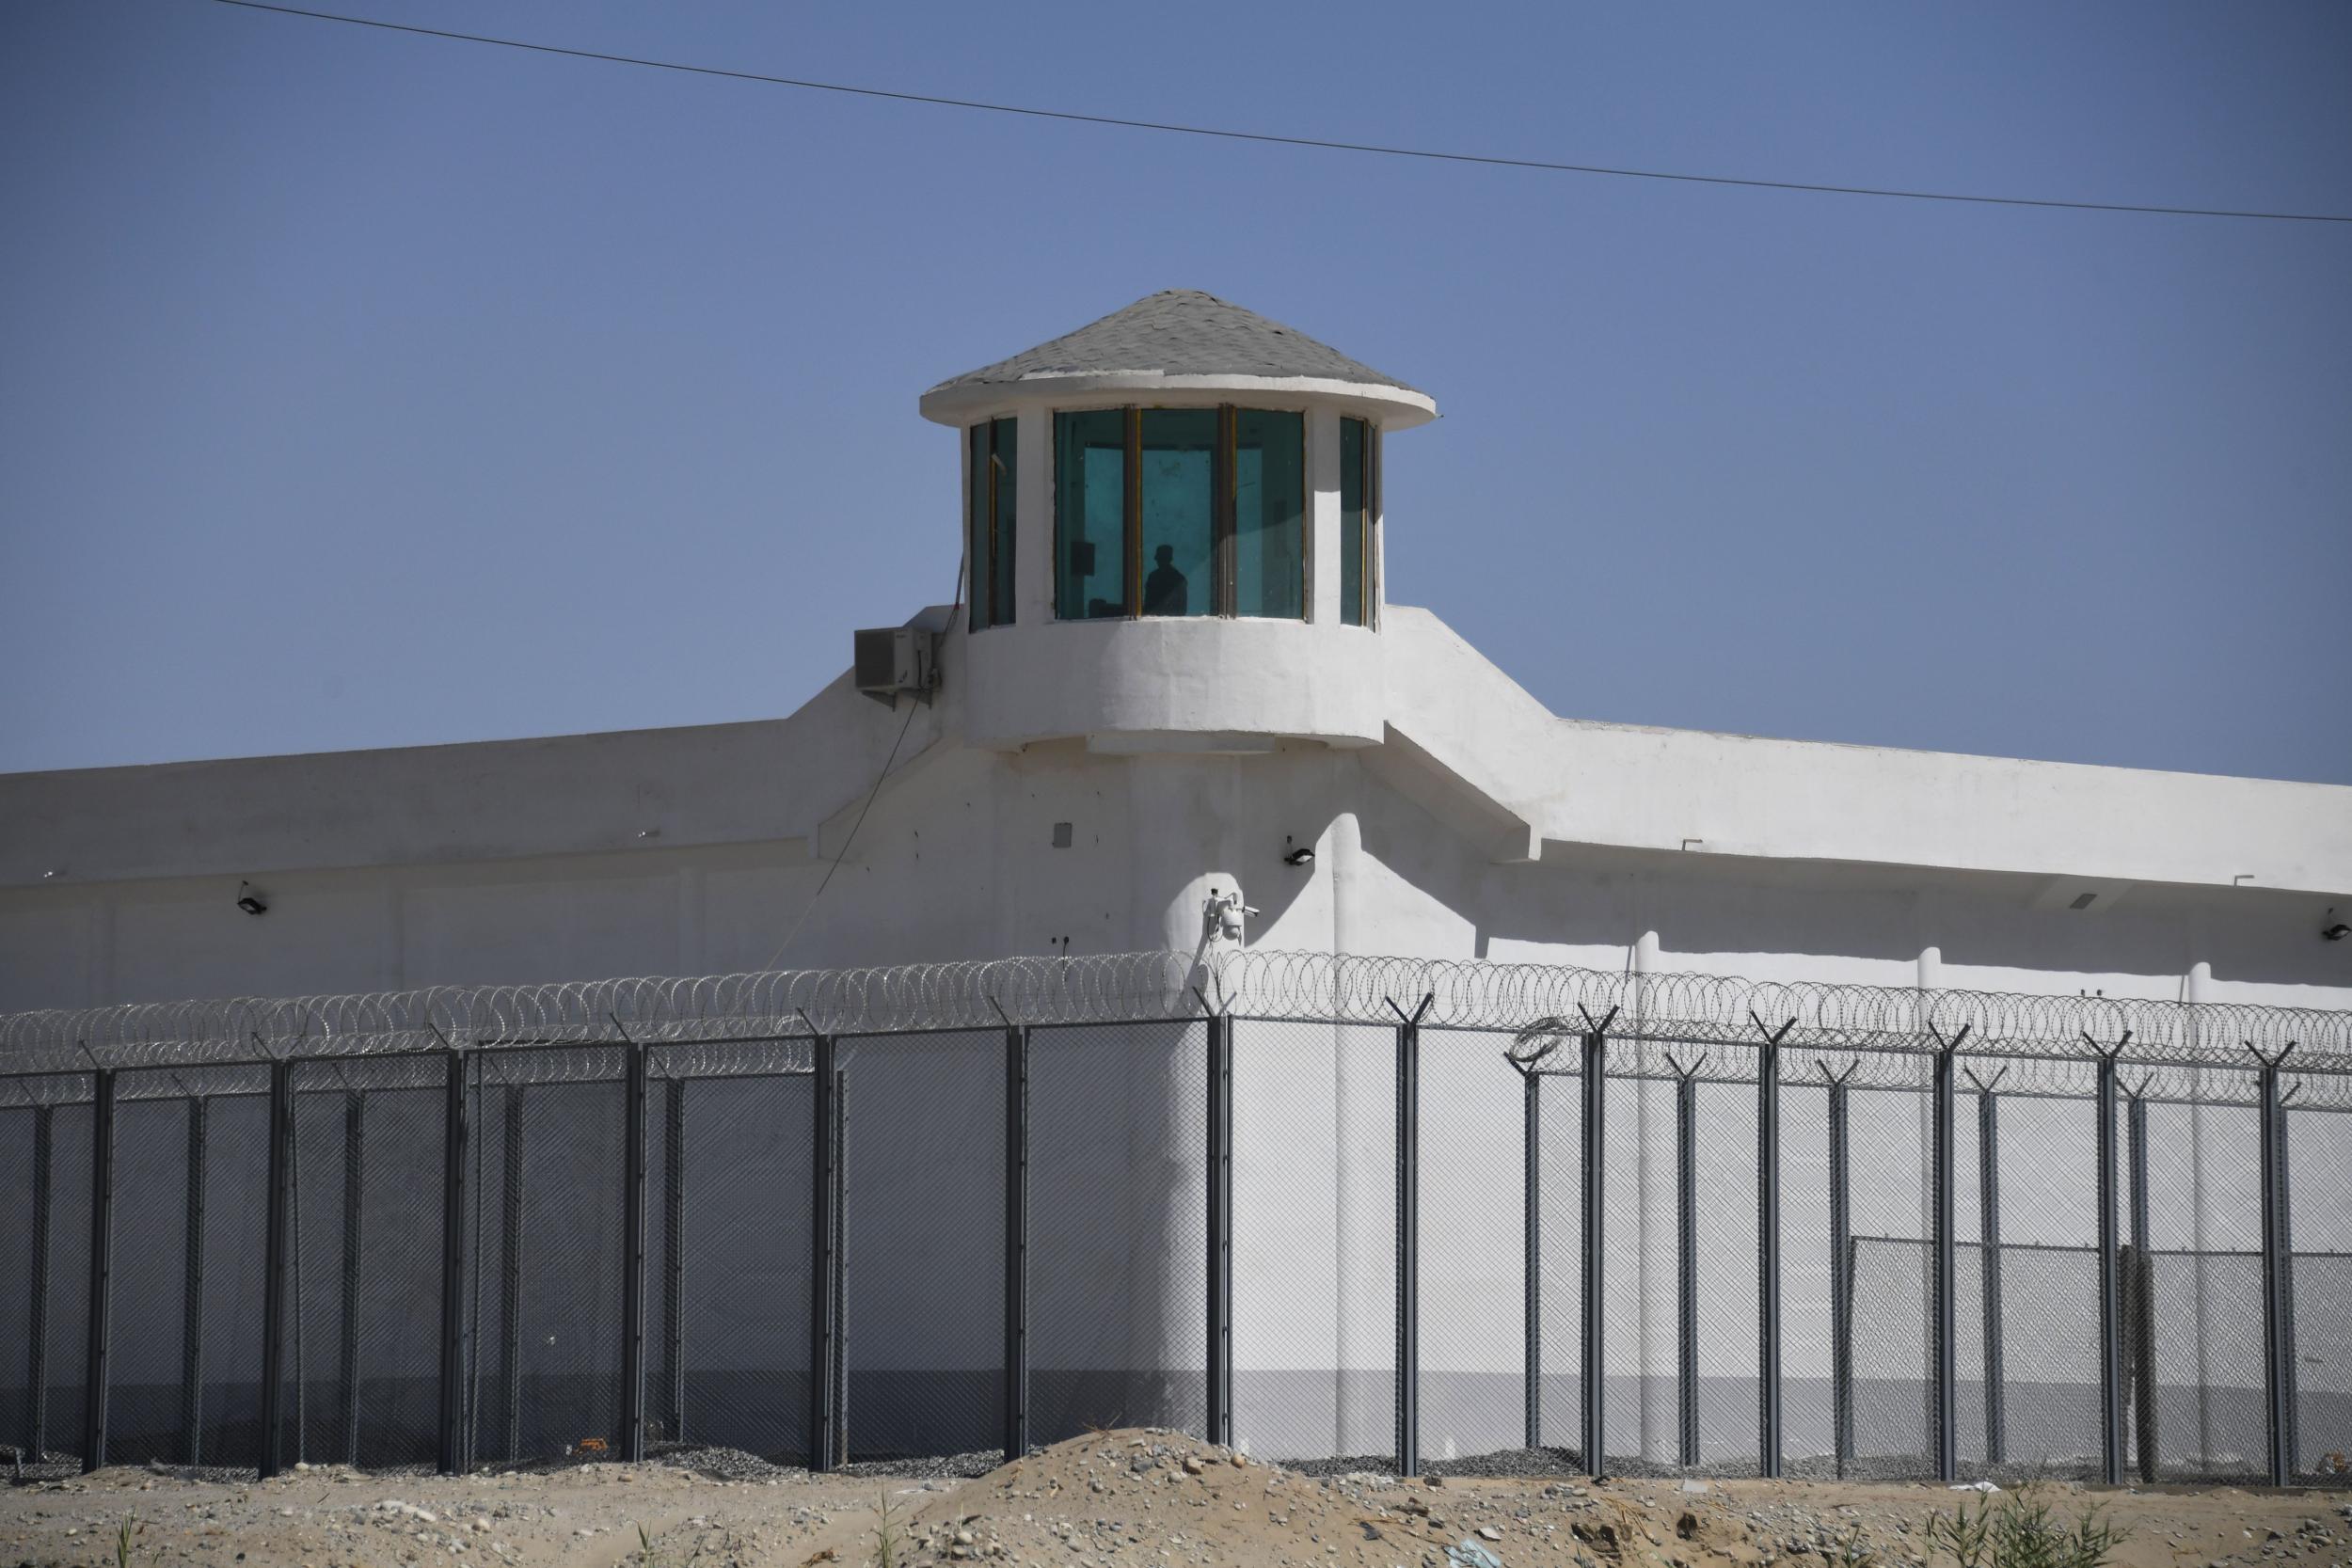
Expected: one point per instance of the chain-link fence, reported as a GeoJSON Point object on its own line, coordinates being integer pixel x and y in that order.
{"type": "Point", "coordinates": [1383, 1227]}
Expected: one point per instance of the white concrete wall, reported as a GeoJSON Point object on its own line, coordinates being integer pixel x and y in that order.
{"type": "Point", "coordinates": [1396, 755]}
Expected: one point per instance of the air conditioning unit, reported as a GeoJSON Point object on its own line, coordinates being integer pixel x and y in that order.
{"type": "Point", "coordinates": [893, 659]}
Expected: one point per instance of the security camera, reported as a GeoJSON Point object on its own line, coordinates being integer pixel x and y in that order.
{"type": "Point", "coordinates": [1225, 913]}
{"type": "Point", "coordinates": [250, 901]}
{"type": "Point", "coordinates": [1298, 854]}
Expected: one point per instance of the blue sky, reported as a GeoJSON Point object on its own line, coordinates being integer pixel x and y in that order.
{"type": "Point", "coordinates": [362, 389]}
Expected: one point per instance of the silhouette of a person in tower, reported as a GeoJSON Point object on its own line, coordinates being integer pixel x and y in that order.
{"type": "Point", "coordinates": [1165, 591]}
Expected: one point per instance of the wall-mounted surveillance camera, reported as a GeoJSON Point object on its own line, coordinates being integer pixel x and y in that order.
{"type": "Point", "coordinates": [1298, 853]}
{"type": "Point", "coordinates": [1223, 914]}
{"type": "Point", "coordinates": [250, 901]}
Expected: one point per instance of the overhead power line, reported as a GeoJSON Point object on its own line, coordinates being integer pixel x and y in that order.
{"type": "Point", "coordinates": [1326, 144]}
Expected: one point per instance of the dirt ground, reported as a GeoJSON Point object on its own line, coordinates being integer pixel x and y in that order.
{"type": "Point", "coordinates": [1101, 1501]}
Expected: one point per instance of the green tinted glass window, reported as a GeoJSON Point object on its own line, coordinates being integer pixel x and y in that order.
{"type": "Point", "coordinates": [1091, 513]}
{"type": "Point", "coordinates": [1179, 467]}
{"type": "Point", "coordinates": [1269, 513]}
{"type": "Point", "coordinates": [1352, 519]}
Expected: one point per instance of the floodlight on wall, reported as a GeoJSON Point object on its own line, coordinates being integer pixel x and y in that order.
{"type": "Point", "coordinates": [250, 901]}
{"type": "Point", "coordinates": [2335, 930]}
{"type": "Point", "coordinates": [1295, 853]}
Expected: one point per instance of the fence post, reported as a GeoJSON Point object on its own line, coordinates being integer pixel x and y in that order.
{"type": "Point", "coordinates": [1989, 1250]}
{"type": "Point", "coordinates": [840, 1378]}
{"type": "Point", "coordinates": [1945, 1384]}
{"type": "Point", "coordinates": [1016, 1242]}
{"type": "Point", "coordinates": [192, 1290]}
{"type": "Point", "coordinates": [277, 1254]}
{"type": "Point", "coordinates": [2278, 1263]}
{"type": "Point", "coordinates": [2110, 1278]}
{"type": "Point", "coordinates": [674, 1260]}
{"type": "Point", "coordinates": [1768, 1391]}
{"type": "Point", "coordinates": [826, 1171]}
{"type": "Point", "coordinates": [1220, 1182]}
{"type": "Point", "coordinates": [451, 1457]}
{"type": "Point", "coordinates": [1408, 1239]}
{"type": "Point", "coordinates": [1532, 1091]}
{"type": "Point", "coordinates": [101, 1230]}
{"type": "Point", "coordinates": [1595, 1367]}
{"type": "Point", "coordinates": [2139, 1285]}
{"type": "Point", "coordinates": [514, 1196]}
{"type": "Point", "coordinates": [1686, 1263]}
{"type": "Point", "coordinates": [1840, 1272]}
{"type": "Point", "coordinates": [36, 1351]}
{"type": "Point", "coordinates": [633, 1258]}
{"type": "Point", "coordinates": [355, 1220]}
{"type": "Point", "coordinates": [2289, 1368]}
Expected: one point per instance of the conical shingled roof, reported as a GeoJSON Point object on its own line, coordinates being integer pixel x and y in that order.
{"type": "Point", "coordinates": [1179, 332]}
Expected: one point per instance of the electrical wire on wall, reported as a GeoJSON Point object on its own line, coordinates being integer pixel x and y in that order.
{"type": "Point", "coordinates": [955, 607]}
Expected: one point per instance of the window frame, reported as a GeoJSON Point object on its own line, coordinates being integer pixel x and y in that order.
{"type": "Point", "coordinates": [990, 581]}
{"type": "Point", "coordinates": [1368, 525]}
{"type": "Point", "coordinates": [1224, 556]}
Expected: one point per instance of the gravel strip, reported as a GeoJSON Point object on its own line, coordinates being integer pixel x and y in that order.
{"type": "Point", "coordinates": [953, 1466]}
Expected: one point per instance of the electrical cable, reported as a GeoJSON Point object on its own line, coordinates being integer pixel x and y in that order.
{"type": "Point", "coordinates": [1322, 143]}
{"type": "Point", "coordinates": [962, 560]}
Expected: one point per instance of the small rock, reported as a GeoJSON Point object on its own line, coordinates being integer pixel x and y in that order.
{"type": "Point", "coordinates": [1192, 1464]}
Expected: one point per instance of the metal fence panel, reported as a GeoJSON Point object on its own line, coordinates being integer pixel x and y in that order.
{"type": "Point", "coordinates": [1729, 1280]}
{"type": "Point", "coordinates": [1472, 1270]}
{"type": "Point", "coordinates": [562, 1267]}
{"type": "Point", "coordinates": [1118, 1270]}
{"type": "Point", "coordinates": [1640, 1269]}
{"type": "Point", "coordinates": [2205, 1218]}
{"type": "Point", "coordinates": [150, 1276]}
{"type": "Point", "coordinates": [19, 1269]}
{"type": "Point", "coordinates": [728, 1344]}
{"type": "Point", "coordinates": [1808, 1406]}
{"type": "Point", "coordinates": [925, 1242]}
{"type": "Point", "coordinates": [44, 1264]}
{"type": "Point", "coordinates": [236, 1192]}
{"type": "Point", "coordinates": [362, 1373]}
{"type": "Point", "coordinates": [1315, 1249]}
{"type": "Point", "coordinates": [2049, 1396]}
{"type": "Point", "coordinates": [1560, 1257]}
{"type": "Point", "coordinates": [49, 1421]}
{"type": "Point", "coordinates": [1891, 1344]}
{"type": "Point", "coordinates": [2319, 1188]}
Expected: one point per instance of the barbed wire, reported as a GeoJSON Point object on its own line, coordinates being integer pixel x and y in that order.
{"type": "Point", "coordinates": [1539, 1002]}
